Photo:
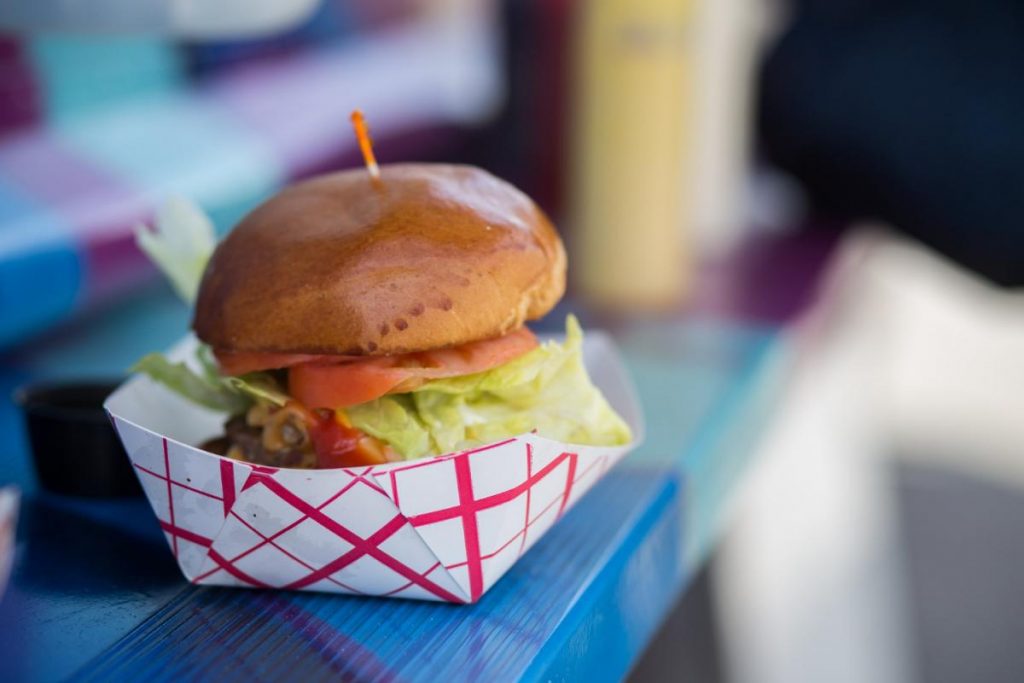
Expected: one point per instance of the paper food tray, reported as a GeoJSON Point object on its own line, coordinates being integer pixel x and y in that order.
{"type": "Point", "coordinates": [443, 528]}
{"type": "Point", "coordinates": [8, 523]}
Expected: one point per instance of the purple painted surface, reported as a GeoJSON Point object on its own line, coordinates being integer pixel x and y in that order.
{"type": "Point", "coordinates": [113, 266]}
{"type": "Point", "coordinates": [299, 104]}
{"type": "Point", "coordinates": [299, 134]}
{"type": "Point", "coordinates": [20, 101]}
{"type": "Point", "coordinates": [85, 195]}
{"type": "Point", "coordinates": [770, 278]}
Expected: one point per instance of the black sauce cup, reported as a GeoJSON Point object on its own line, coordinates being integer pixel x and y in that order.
{"type": "Point", "coordinates": [74, 446]}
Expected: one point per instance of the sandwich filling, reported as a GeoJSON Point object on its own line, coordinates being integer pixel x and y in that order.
{"type": "Point", "coordinates": [441, 401]}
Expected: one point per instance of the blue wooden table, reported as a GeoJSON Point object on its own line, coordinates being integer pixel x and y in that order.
{"type": "Point", "coordinates": [95, 592]}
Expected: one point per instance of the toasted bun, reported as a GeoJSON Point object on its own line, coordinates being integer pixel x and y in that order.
{"type": "Point", "coordinates": [428, 256]}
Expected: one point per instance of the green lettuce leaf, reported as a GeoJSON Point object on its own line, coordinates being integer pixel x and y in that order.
{"type": "Point", "coordinates": [180, 245]}
{"type": "Point", "coordinates": [208, 388]}
{"type": "Point", "coordinates": [547, 389]}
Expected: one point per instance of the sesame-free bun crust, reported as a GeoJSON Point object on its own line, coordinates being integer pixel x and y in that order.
{"type": "Point", "coordinates": [427, 256]}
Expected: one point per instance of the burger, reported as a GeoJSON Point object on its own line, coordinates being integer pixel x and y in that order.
{"type": "Point", "coordinates": [357, 319]}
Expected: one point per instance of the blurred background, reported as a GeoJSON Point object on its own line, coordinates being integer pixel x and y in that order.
{"type": "Point", "coordinates": [846, 174]}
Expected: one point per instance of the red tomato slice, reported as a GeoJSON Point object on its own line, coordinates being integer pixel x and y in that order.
{"type": "Point", "coordinates": [240, 362]}
{"type": "Point", "coordinates": [338, 385]}
{"type": "Point", "coordinates": [338, 445]}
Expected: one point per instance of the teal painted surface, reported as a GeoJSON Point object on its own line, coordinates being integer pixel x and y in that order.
{"type": "Point", "coordinates": [685, 372]}
{"type": "Point", "coordinates": [106, 345]}
{"type": "Point", "coordinates": [176, 144]}
{"type": "Point", "coordinates": [83, 74]}
{"type": "Point", "coordinates": [717, 458]}
{"type": "Point", "coordinates": [707, 389]}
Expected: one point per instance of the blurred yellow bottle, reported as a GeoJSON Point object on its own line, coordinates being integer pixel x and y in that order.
{"type": "Point", "coordinates": [630, 185]}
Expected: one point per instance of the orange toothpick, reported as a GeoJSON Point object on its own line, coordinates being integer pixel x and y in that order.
{"type": "Point", "coordinates": [365, 144]}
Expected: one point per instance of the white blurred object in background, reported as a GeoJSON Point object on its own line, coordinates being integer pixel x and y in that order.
{"type": "Point", "coordinates": [904, 356]}
{"type": "Point", "coordinates": [954, 367]}
{"type": "Point", "coordinates": [729, 37]}
{"type": "Point", "coordinates": [804, 581]}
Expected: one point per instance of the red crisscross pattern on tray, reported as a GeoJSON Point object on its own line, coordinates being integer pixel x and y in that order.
{"type": "Point", "coordinates": [230, 564]}
{"type": "Point", "coordinates": [514, 501]}
{"type": "Point", "coordinates": [175, 488]}
{"type": "Point", "coordinates": [443, 529]}
{"type": "Point", "coordinates": [360, 546]}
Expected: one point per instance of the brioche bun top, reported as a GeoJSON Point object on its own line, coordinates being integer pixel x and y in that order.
{"type": "Point", "coordinates": [426, 256]}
